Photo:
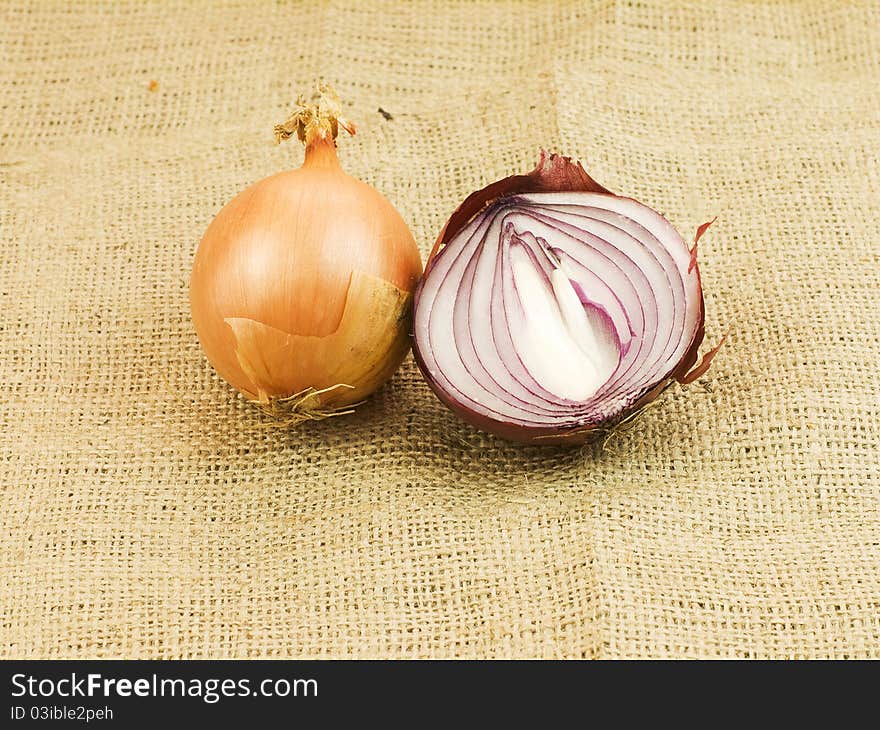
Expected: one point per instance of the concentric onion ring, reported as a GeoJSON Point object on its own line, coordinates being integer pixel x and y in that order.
{"type": "Point", "coordinates": [551, 308]}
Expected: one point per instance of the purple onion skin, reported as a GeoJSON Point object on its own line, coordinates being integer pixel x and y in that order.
{"type": "Point", "coordinates": [553, 173]}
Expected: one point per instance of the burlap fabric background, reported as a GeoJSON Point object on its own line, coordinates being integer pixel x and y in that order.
{"type": "Point", "coordinates": [148, 512]}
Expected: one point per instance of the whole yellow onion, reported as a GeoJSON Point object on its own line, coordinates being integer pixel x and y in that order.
{"type": "Point", "coordinates": [301, 287]}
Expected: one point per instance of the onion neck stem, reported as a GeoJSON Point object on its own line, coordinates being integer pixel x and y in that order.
{"type": "Point", "coordinates": [321, 153]}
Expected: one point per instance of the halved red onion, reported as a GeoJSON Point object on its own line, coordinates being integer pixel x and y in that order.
{"type": "Point", "coordinates": [551, 308]}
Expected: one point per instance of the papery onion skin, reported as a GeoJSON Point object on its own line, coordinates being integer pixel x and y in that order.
{"type": "Point", "coordinates": [304, 282]}
{"type": "Point", "coordinates": [553, 174]}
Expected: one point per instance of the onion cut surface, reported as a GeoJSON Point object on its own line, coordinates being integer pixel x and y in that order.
{"type": "Point", "coordinates": [551, 308]}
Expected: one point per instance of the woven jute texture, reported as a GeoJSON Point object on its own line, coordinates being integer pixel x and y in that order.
{"type": "Point", "coordinates": [147, 511]}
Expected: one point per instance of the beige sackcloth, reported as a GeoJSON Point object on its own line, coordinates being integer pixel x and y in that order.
{"type": "Point", "coordinates": [148, 511]}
